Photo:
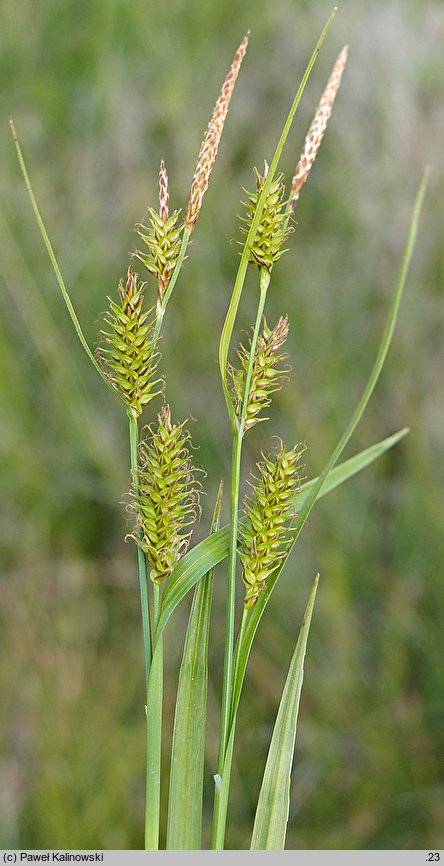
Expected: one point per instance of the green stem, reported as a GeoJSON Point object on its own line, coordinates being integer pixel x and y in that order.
{"type": "Point", "coordinates": [141, 561]}
{"type": "Point", "coordinates": [264, 279]}
{"type": "Point", "coordinates": [152, 676]}
{"type": "Point", "coordinates": [219, 810]}
{"type": "Point", "coordinates": [220, 803]}
{"type": "Point", "coordinates": [239, 644]}
{"type": "Point", "coordinates": [154, 737]}
{"type": "Point", "coordinates": [161, 309]}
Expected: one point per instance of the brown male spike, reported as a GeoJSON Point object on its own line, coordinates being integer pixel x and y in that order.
{"type": "Point", "coordinates": [164, 195]}
{"type": "Point", "coordinates": [317, 129]}
{"type": "Point", "coordinates": [210, 144]}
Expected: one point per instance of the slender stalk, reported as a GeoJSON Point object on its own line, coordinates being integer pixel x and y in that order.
{"type": "Point", "coordinates": [147, 642]}
{"type": "Point", "coordinates": [239, 643]}
{"type": "Point", "coordinates": [141, 561]}
{"type": "Point", "coordinates": [220, 804]}
{"type": "Point", "coordinates": [154, 749]}
{"type": "Point", "coordinates": [161, 310]}
{"type": "Point", "coordinates": [154, 737]}
{"type": "Point", "coordinates": [264, 279]}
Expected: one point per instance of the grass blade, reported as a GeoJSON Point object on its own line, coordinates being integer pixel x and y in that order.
{"type": "Point", "coordinates": [213, 549]}
{"type": "Point", "coordinates": [270, 825]}
{"type": "Point", "coordinates": [350, 467]}
{"type": "Point", "coordinates": [53, 258]}
{"type": "Point", "coordinates": [187, 755]}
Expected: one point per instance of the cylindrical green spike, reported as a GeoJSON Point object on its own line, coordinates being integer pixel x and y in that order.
{"type": "Point", "coordinates": [267, 532]}
{"type": "Point", "coordinates": [168, 496]}
{"type": "Point", "coordinates": [273, 229]}
{"type": "Point", "coordinates": [128, 354]}
{"type": "Point", "coordinates": [266, 376]}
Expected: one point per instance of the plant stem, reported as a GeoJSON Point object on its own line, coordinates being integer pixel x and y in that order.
{"type": "Point", "coordinates": [153, 677]}
{"type": "Point", "coordinates": [161, 309]}
{"type": "Point", "coordinates": [154, 737]}
{"type": "Point", "coordinates": [141, 561]}
{"type": "Point", "coordinates": [264, 279]}
{"type": "Point", "coordinates": [220, 804]}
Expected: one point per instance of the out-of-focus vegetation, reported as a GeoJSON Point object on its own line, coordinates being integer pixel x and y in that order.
{"type": "Point", "coordinates": [100, 92]}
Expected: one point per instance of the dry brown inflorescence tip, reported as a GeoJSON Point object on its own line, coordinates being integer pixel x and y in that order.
{"type": "Point", "coordinates": [316, 132]}
{"type": "Point", "coordinates": [210, 144]}
{"type": "Point", "coordinates": [164, 195]}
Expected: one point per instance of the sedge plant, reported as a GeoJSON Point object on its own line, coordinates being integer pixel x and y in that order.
{"type": "Point", "coordinates": [164, 484]}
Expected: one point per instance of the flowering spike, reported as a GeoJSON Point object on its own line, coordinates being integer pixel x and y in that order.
{"type": "Point", "coordinates": [164, 195]}
{"type": "Point", "coordinates": [316, 132]}
{"type": "Point", "coordinates": [266, 535]}
{"type": "Point", "coordinates": [273, 230]}
{"type": "Point", "coordinates": [210, 144]}
{"type": "Point", "coordinates": [162, 237]}
{"type": "Point", "coordinates": [167, 497]}
{"type": "Point", "coordinates": [129, 356]}
{"type": "Point", "coordinates": [266, 378]}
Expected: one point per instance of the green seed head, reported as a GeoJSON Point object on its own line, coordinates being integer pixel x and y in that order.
{"type": "Point", "coordinates": [273, 230]}
{"type": "Point", "coordinates": [128, 354]}
{"type": "Point", "coordinates": [266, 534]}
{"type": "Point", "coordinates": [168, 496]}
{"type": "Point", "coordinates": [267, 376]}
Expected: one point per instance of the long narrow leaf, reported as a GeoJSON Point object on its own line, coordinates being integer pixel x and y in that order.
{"type": "Point", "coordinates": [349, 467]}
{"type": "Point", "coordinates": [188, 748]}
{"type": "Point", "coordinates": [270, 825]}
{"type": "Point", "coordinates": [53, 258]}
{"type": "Point", "coordinates": [214, 548]}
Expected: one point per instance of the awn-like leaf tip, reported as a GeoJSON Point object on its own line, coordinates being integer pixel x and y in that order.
{"type": "Point", "coordinates": [317, 128]}
{"type": "Point", "coordinates": [164, 195]}
{"type": "Point", "coordinates": [210, 144]}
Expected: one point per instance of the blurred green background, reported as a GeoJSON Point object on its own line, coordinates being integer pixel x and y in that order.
{"type": "Point", "coordinates": [100, 92]}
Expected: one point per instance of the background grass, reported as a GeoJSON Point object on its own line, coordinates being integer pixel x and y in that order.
{"type": "Point", "coordinates": [100, 91]}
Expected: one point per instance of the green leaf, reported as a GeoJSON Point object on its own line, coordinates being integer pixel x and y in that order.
{"type": "Point", "coordinates": [213, 549]}
{"type": "Point", "coordinates": [188, 748]}
{"type": "Point", "coordinates": [349, 467]}
{"type": "Point", "coordinates": [53, 259]}
{"type": "Point", "coordinates": [270, 824]}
